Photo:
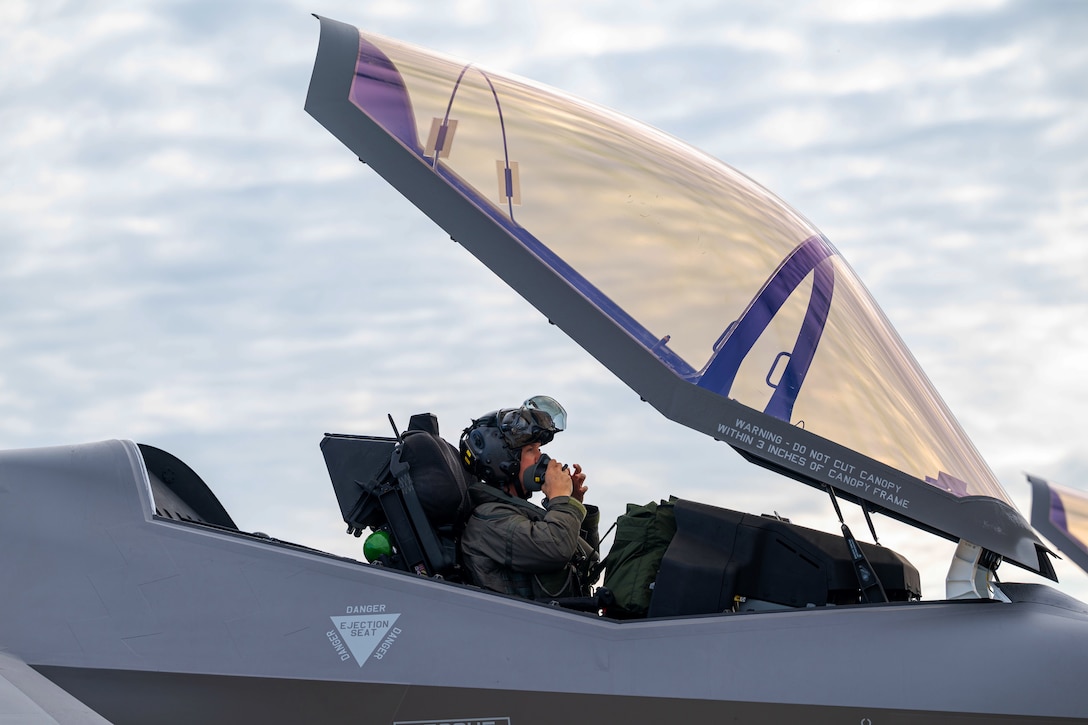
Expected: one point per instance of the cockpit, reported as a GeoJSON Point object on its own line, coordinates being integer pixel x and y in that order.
{"type": "Point", "coordinates": [407, 494]}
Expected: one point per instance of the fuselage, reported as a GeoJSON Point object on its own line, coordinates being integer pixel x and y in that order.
{"type": "Point", "coordinates": [134, 612]}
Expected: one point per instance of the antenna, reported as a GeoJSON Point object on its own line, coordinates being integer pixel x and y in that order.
{"type": "Point", "coordinates": [396, 433]}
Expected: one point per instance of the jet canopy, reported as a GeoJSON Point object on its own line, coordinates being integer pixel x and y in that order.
{"type": "Point", "coordinates": [719, 304]}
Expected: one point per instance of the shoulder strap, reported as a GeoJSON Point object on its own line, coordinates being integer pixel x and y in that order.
{"type": "Point", "coordinates": [418, 542]}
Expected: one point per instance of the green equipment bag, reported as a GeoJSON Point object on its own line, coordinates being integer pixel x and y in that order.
{"type": "Point", "coordinates": [642, 536]}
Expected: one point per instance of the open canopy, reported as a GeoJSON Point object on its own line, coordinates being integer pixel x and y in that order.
{"type": "Point", "coordinates": [714, 300]}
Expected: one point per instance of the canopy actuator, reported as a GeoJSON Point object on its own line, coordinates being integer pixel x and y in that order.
{"type": "Point", "coordinates": [872, 591]}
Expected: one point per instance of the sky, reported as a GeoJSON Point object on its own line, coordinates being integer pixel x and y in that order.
{"type": "Point", "coordinates": [188, 260]}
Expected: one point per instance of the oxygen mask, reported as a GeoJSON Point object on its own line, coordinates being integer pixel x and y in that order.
{"type": "Point", "coordinates": [533, 479]}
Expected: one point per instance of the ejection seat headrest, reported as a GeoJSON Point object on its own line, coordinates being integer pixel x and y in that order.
{"type": "Point", "coordinates": [437, 475]}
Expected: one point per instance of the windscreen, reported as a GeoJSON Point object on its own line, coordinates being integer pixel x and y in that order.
{"type": "Point", "coordinates": [724, 283]}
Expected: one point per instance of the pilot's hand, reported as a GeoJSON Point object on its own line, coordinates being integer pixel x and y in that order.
{"type": "Point", "coordinates": [557, 481]}
{"type": "Point", "coordinates": [578, 483]}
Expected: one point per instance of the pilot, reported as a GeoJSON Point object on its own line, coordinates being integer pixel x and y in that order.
{"type": "Point", "coordinates": [510, 544]}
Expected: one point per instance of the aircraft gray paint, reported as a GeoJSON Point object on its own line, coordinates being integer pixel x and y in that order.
{"type": "Point", "coordinates": [145, 616]}
{"type": "Point", "coordinates": [130, 596]}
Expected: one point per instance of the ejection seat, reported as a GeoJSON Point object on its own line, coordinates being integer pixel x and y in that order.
{"type": "Point", "coordinates": [411, 487]}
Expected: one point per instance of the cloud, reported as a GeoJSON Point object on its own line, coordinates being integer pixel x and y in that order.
{"type": "Point", "coordinates": [882, 11]}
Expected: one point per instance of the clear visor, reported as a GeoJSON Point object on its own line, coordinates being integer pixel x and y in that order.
{"type": "Point", "coordinates": [536, 421]}
{"type": "Point", "coordinates": [551, 406]}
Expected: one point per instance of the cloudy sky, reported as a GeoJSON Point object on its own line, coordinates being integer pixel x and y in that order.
{"type": "Point", "coordinates": [188, 260]}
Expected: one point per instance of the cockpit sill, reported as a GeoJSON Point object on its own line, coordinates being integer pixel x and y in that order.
{"type": "Point", "coordinates": [1016, 593]}
{"type": "Point", "coordinates": [179, 498]}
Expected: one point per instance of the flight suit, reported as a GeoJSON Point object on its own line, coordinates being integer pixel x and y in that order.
{"type": "Point", "coordinates": [515, 547]}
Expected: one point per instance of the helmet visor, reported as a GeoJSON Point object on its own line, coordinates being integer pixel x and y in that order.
{"type": "Point", "coordinates": [550, 406]}
{"type": "Point", "coordinates": [535, 422]}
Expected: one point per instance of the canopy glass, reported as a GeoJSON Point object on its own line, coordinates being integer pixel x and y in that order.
{"type": "Point", "coordinates": [730, 288]}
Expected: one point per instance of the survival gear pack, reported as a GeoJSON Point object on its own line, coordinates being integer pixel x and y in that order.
{"type": "Point", "coordinates": [643, 534]}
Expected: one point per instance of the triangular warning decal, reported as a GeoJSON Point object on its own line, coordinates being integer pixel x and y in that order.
{"type": "Point", "coordinates": [362, 633]}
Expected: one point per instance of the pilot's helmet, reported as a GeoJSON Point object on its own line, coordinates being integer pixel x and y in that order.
{"type": "Point", "coordinates": [491, 446]}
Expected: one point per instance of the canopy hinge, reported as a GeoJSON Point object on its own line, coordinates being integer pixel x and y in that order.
{"type": "Point", "coordinates": [971, 575]}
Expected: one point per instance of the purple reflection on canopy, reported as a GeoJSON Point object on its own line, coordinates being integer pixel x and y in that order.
{"type": "Point", "coordinates": [945, 482]}
{"type": "Point", "coordinates": [379, 90]}
{"type": "Point", "coordinates": [738, 341]}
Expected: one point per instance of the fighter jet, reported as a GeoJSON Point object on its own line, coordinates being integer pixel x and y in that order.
{"type": "Point", "coordinates": [130, 596]}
